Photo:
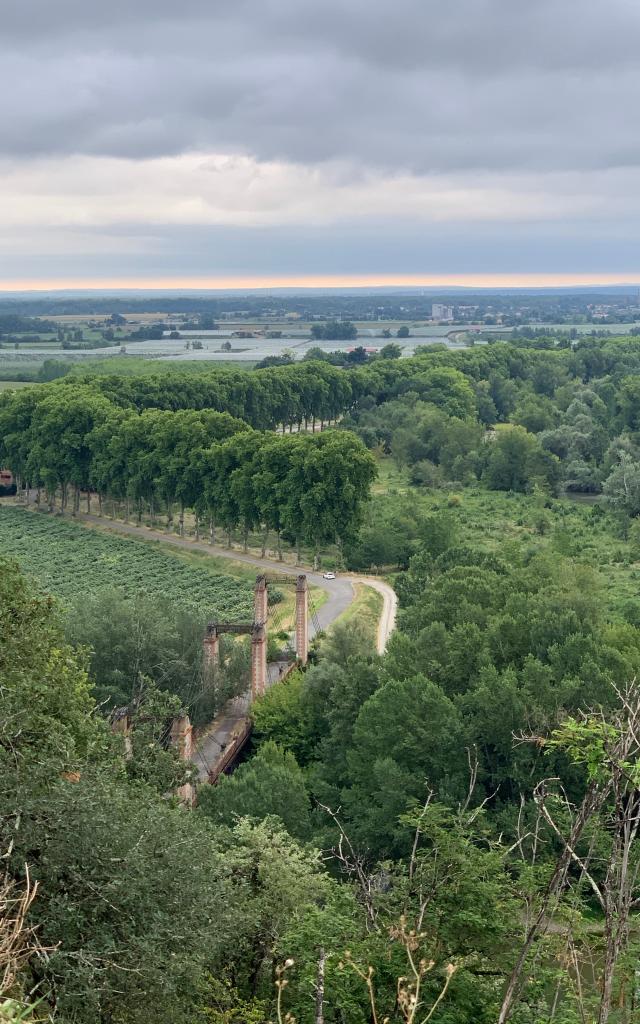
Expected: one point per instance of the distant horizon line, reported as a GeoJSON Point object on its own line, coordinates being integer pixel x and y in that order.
{"type": "Point", "coordinates": [324, 281]}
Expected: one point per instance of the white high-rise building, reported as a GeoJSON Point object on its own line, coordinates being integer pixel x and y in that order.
{"type": "Point", "coordinates": [441, 312]}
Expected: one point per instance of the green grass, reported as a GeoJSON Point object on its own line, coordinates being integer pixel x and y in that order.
{"type": "Point", "coordinates": [12, 385]}
{"type": "Point", "coordinates": [366, 608]}
{"type": "Point", "coordinates": [135, 365]}
{"type": "Point", "coordinates": [391, 479]}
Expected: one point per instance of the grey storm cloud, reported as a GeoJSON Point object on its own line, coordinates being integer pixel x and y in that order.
{"type": "Point", "coordinates": [258, 137]}
{"type": "Point", "coordinates": [432, 86]}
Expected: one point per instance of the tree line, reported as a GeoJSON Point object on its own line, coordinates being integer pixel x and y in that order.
{"type": "Point", "coordinates": [282, 396]}
{"type": "Point", "coordinates": [161, 440]}
{"type": "Point", "coordinates": [305, 488]}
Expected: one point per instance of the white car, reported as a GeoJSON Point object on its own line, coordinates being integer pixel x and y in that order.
{"type": "Point", "coordinates": [329, 575]}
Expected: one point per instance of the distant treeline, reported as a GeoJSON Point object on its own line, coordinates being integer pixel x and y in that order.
{"type": "Point", "coordinates": [306, 488]}
{"type": "Point", "coordinates": [186, 438]}
{"type": "Point", "coordinates": [394, 304]}
{"type": "Point", "coordinates": [12, 323]}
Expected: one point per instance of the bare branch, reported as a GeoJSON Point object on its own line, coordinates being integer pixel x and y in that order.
{"type": "Point", "coordinates": [416, 838]}
{"type": "Point", "coordinates": [353, 865]}
{"type": "Point", "coordinates": [17, 938]}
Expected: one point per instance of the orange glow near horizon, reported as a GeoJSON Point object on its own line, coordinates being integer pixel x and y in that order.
{"type": "Point", "coordinates": [533, 280]}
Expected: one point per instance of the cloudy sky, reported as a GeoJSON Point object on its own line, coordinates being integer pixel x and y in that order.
{"type": "Point", "coordinates": [249, 141]}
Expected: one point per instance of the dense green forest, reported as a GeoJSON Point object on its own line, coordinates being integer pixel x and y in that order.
{"type": "Point", "coordinates": [446, 832]}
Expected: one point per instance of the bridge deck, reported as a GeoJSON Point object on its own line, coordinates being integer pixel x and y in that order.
{"type": "Point", "coordinates": [211, 754]}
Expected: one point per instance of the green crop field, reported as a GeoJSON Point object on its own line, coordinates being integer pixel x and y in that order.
{"type": "Point", "coordinates": [69, 559]}
{"type": "Point", "coordinates": [13, 385]}
{"type": "Point", "coordinates": [134, 365]}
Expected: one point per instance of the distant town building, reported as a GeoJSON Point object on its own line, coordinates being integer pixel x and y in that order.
{"type": "Point", "coordinates": [441, 312]}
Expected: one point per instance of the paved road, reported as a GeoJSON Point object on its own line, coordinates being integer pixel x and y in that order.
{"type": "Point", "coordinates": [340, 594]}
{"type": "Point", "coordinates": [340, 591]}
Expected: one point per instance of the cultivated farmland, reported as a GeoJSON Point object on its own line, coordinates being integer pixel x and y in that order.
{"type": "Point", "coordinates": [69, 559]}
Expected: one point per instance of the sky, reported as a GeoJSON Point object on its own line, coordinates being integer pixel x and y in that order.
{"type": "Point", "coordinates": [231, 142]}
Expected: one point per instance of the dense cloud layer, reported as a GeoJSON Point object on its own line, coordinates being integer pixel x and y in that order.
{"type": "Point", "coordinates": [498, 110]}
{"type": "Point", "coordinates": [425, 85]}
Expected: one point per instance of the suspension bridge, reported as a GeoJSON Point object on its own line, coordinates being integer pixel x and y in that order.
{"type": "Point", "coordinates": [224, 740]}
{"type": "Point", "coordinates": [220, 745]}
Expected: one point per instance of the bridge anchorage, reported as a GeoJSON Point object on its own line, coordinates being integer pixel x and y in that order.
{"type": "Point", "coordinates": [257, 629]}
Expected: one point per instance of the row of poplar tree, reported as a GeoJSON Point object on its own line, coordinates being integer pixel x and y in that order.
{"type": "Point", "coordinates": [304, 487]}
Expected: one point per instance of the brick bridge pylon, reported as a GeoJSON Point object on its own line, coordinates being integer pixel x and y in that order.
{"type": "Point", "coordinates": [257, 629]}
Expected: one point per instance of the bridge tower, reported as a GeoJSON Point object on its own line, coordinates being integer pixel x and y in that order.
{"type": "Point", "coordinates": [258, 630]}
{"type": "Point", "coordinates": [260, 600]}
{"type": "Point", "coordinates": [258, 660]}
{"type": "Point", "coordinates": [302, 620]}
{"type": "Point", "coordinates": [211, 647]}
{"type": "Point", "coordinates": [259, 638]}
{"type": "Point", "coordinates": [182, 741]}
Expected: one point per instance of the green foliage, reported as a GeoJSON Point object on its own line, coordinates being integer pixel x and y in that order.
{"type": "Point", "coordinates": [102, 881]}
{"type": "Point", "coordinates": [154, 638]}
{"type": "Point", "coordinates": [140, 636]}
{"type": "Point", "coordinates": [421, 733]}
{"type": "Point", "coordinates": [279, 715]}
{"type": "Point", "coordinates": [446, 388]}
{"type": "Point", "coordinates": [622, 487]}
{"type": "Point", "coordinates": [346, 641]}
{"type": "Point", "coordinates": [629, 403]}
{"type": "Point", "coordinates": [152, 759]}
{"type": "Point", "coordinates": [270, 785]}
{"type": "Point", "coordinates": [388, 536]}
{"type": "Point", "coordinates": [586, 742]}
{"type": "Point", "coordinates": [517, 462]}
{"type": "Point", "coordinates": [334, 330]}
{"type": "Point", "coordinates": [226, 1006]}
{"type": "Point", "coordinates": [392, 350]}
{"type": "Point", "coordinates": [45, 701]}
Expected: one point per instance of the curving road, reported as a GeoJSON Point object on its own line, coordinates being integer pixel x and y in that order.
{"type": "Point", "coordinates": [340, 594]}
{"type": "Point", "coordinates": [387, 622]}
{"type": "Point", "coordinates": [340, 591]}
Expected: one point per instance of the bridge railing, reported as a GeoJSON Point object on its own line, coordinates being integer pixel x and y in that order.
{"type": "Point", "coordinates": [239, 738]}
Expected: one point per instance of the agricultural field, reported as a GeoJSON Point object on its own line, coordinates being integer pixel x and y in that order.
{"type": "Point", "coordinates": [68, 559]}
{"type": "Point", "coordinates": [13, 385]}
{"type": "Point", "coordinates": [135, 365]}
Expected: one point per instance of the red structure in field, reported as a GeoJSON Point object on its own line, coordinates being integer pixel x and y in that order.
{"type": "Point", "coordinates": [257, 629]}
